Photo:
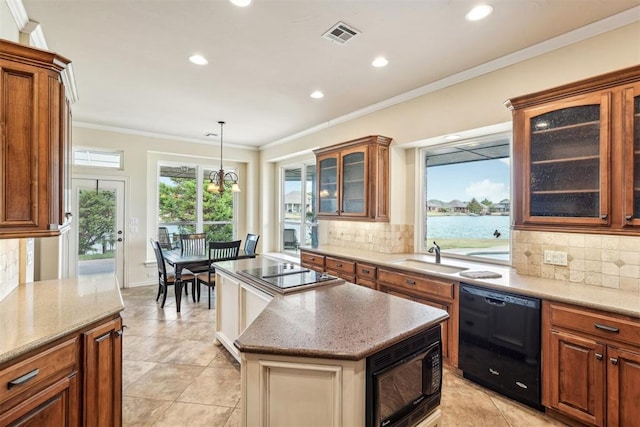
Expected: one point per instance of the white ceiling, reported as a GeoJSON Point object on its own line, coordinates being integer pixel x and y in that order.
{"type": "Point", "coordinates": [131, 67]}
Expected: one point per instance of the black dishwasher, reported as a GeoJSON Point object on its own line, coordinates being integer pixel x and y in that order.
{"type": "Point", "coordinates": [499, 343]}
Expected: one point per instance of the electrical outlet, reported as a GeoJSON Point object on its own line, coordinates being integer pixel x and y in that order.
{"type": "Point", "coordinates": [555, 258]}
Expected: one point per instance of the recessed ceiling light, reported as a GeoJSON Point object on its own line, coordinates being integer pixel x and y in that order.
{"type": "Point", "coordinates": [198, 59]}
{"type": "Point", "coordinates": [241, 3]}
{"type": "Point", "coordinates": [479, 12]}
{"type": "Point", "coordinates": [317, 94]}
{"type": "Point", "coordinates": [380, 61]}
{"type": "Point", "coordinates": [452, 137]}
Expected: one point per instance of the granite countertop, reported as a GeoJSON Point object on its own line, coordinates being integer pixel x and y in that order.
{"type": "Point", "coordinates": [612, 300]}
{"type": "Point", "coordinates": [37, 313]}
{"type": "Point", "coordinates": [335, 321]}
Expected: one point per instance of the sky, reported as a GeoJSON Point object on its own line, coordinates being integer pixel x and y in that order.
{"type": "Point", "coordinates": [464, 181]}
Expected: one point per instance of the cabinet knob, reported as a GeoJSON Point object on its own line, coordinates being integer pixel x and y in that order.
{"type": "Point", "coordinates": [338, 265]}
{"type": "Point", "coordinates": [118, 333]}
{"type": "Point", "coordinates": [365, 271]}
{"type": "Point", "coordinates": [410, 282]}
{"type": "Point", "coordinates": [604, 217]}
{"type": "Point", "coordinates": [614, 361]}
{"type": "Point", "coordinates": [628, 217]}
{"type": "Point", "coordinates": [598, 356]}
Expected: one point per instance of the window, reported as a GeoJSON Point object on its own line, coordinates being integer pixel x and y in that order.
{"type": "Point", "coordinates": [94, 157]}
{"type": "Point", "coordinates": [467, 198]}
{"type": "Point", "coordinates": [299, 223]}
{"type": "Point", "coordinates": [186, 207]}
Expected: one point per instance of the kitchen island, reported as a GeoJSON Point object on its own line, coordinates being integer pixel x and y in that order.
{"type": "Point", "coordinates": [303, 352]}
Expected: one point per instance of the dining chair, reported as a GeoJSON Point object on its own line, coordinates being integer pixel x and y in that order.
{"type": "Point", "coordinates": [166, 278]}
{"type": "Point", "coordinates": [218, 251]}
{"type": "Point", "coordinates": [250, 243]}
{"type": "Point", "coordinates": [164, 238]}
{"type": "Point", "coordinates": [193, 244]}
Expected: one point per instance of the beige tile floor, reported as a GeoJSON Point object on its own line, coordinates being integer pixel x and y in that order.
{"type": "Point", "coordinates": [173, 374]}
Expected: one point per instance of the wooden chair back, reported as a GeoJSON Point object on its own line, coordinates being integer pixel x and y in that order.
{"type": "Point", "coordinates": [250, 243]}
{"type": "Point", "coordinates": [162, 266]}
{"type": "Point", "coordinates": [193, 244]}
{"type": "Point", "coordinates": [164, 239]}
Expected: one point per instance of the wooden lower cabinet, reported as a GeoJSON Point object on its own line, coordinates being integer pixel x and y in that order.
{"type": "Point", "coordinates": [623, 387]}
{"type": "Point", "coordinates": [591, 365]}
{"type": "Point", "coordinates": [74, 381]}
{"type": "Point", "coordinates": [103, 375]}
{"type": "Point", "coordinates": [578, 387]}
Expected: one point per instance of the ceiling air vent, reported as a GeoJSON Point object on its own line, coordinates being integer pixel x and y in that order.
{"type": "Point", "coordinates": [340, 33]}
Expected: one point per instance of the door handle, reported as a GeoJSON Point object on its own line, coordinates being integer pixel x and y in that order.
{"type": "Point", "coordinates": [119, 239]}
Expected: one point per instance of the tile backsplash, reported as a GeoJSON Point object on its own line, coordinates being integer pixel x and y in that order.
{"type": "Point", "coordinates": [596, 260]}
{"type": "Point", "coordinates": [373, 236]}
{"type": "Point", "coordinates": [9, 265]}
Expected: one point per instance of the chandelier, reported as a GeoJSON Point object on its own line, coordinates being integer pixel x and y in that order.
{"type": "Point", "coordinates": [218, 179]}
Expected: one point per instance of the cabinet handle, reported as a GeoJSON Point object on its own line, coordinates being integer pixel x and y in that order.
{"type": "Point", "coordinates": [607, 328]}
{"type": "Point", "coordinates": [410, 282]}
{"type": "Point", "coordinates": [118, 333]}
{"type": "Point", "coordinates": [338, 211]}
{"type": "Point", "coordinates": [23, 379]}
{"type": "Point", "coordinates": [338, 264]}
{"type": "Point", "coordinates": [365, 271]}
{"type": "Point", "coordinates": [628, 217]}
{"type": "Point", "coordinates": [614, 361]}
{"type": "Point", "coordinates": [311, 258]}
{"type": "Point", "coordinates": [598, 356]}
{"type": "Point", "coordinates": [604, 217]}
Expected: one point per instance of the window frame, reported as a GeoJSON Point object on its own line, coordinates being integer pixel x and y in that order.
{"type": "Point", "coordinates": [200, 176]}
{"type": "Point", "coordinates": [420, 241]}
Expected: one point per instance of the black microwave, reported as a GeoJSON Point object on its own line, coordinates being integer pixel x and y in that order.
{"type": "Point", "coordinates": [404, 381]}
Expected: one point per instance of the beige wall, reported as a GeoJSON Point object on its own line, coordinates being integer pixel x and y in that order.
{"type": "Point", "coordinates": [8, 28]}
{"type": "Point", "coordinates": [472, 104]}
{"type": "Point", "coordinates": [141, 157]}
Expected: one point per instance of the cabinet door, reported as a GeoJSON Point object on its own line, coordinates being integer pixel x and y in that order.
{"type": "Point", "coordinates": [576, 385]}
{"type": "Point", "coordinates": [328, 185]}
{"type": "Point", "coordinates": [623, 387]}
{"type": "Point", "coordinates": [227, 312]}
{"type": "Point", "coordinates": [103, 375]}
{"type": "Point", "coordinates": [55, 406]}
{"type": "Point", "coordinates": [353, 183]}
{"type": "Point", "coordinates": [631, 151]}
{"type": "Point", "coordinates": [566, 160]}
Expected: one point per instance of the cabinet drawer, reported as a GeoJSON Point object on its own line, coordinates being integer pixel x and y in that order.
{"type": "Point", "coordinates": [39, 370]}
{"type": "Point", "coordinates": [311, 259]}
{"type": "Point", "coordinates": [340, 265]}
{"type": "Point", "coordinates": [366, 282]}
{"type": "Point", "coordinates": [420, 284]}
{"type": "Point", "coordinates": [599, 324]}
{"type": "Point", "coordinates": [366, 271]}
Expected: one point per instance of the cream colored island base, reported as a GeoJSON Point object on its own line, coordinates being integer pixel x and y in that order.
{"type": "Point", "coordinates": [297, 391]}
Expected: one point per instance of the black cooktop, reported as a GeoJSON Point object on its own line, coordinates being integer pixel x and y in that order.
{"type": "Point", "coordinates": [287, 275]}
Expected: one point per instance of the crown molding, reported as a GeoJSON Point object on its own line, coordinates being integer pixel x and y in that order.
{"type": "Point", "coordinates": [127, 131]}
{"type": "Point", "coordinates": [37, 39]}
{"type": "Point", "coordinates": [605, 25]}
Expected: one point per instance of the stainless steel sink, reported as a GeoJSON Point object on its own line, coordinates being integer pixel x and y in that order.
{"type": "Point", "coordinates": [428, 266]}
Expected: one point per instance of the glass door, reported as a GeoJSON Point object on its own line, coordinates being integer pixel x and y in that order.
{"type": "Point", "coordinates": [354, 186]}
{"type": "Point", "coordinates": [97, 240]}
{"type": "Point", "coordinates": [328, 177]}
{"type": "Point", "coordinates": [300, 226]}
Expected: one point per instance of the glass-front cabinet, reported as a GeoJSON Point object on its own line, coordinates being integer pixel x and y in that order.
{"type": "Point", "coordinates": [353, 179]}
{"type": "Point", "coordinates": [576, 156]}
{"type": "Point", "coordinates": [567, 161]}
{"type": "Point", "coordinates": [631, 110]}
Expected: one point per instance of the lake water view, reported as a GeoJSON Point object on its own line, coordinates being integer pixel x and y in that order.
{"type": "Point", "coordinates": [470, 235]}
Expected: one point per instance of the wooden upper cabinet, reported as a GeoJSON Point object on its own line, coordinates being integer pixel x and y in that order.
{"type": "Point", "coordinates": [576, 152]}
{"type": "Point", "coordinates": [35, 142]}
{"type": "Point", "coordinates": [353, 179]}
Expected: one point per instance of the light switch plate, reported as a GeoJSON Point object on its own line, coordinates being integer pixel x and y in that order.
{"type": "Point", "coordinates": [555, 258]}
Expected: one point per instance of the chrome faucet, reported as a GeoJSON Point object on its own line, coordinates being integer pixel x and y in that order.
{"type": "Point", "coordinates": [436, 248]}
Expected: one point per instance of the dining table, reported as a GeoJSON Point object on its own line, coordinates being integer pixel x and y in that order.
{"type": "Point", "coordinates": [196, 262]}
